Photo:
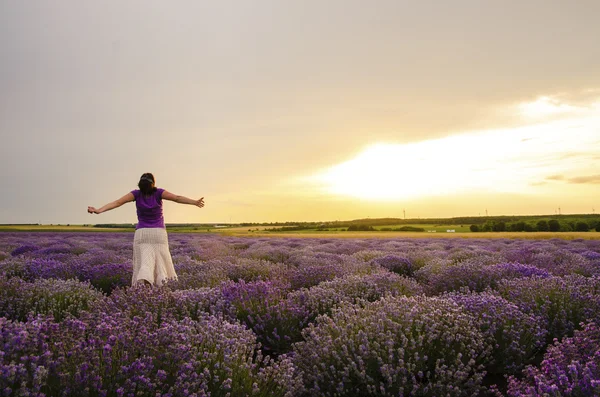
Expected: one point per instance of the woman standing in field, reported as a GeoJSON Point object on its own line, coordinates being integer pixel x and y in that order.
{"type": "Point", "coordinates": [152, 263]}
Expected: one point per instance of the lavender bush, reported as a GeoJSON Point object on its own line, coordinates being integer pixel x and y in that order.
{"type": "Point", "coordinates": [570, 368]}
{"type": "Point", "coordinates": [107, 276]}
{"type": "Point", "coordinates": [262, 307]}
{"type": "Point", "coordinates": [563, 262]}
{"type": "Point", "coordinates": [439, 278]}
{"type": "Point", "coordinates": [473, 275]}
{"type": "Point", "coordinates": [49, 268]}
{"type": "Point", "coordinates": [326, 296]}
{"type": "Point", "coordinates": [23, 249]}
{"type": "Point", "coordinates": [396, 346]}
{"type": "Point", "coordinates": [516, 337]}
{"type": "Point", "coordinates": [510, 270]}
{"type": "Point", "coordinates": [116, 355]}
{"type": "Point", "coordinates": [194, 274]}
{"type": "Point", "coordinates": [161, 303]}
{"type": "Point", "coordinates": [13, 267]}
{"type": "Point", "coordinates": [563, 303]}
{"type": "Point", "coordinates": [397, 264]}
{"type": "Point", "coordinates": [59, 298]}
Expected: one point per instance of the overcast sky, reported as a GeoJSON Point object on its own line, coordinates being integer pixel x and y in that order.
{"type": "Point", "coordinates": [299, 110]}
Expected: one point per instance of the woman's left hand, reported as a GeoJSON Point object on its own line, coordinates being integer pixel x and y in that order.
{"type": "Point", "coordinates": [92, 210]}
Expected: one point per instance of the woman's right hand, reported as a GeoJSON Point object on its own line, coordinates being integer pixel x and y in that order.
{"type": "Point", "coordinates": [199, 203]}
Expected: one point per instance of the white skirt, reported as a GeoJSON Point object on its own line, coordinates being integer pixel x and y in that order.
{"type": "Point", "coordinates": [151, 257]}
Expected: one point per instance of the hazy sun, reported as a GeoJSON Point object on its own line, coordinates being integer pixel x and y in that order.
{"type": "Point", "coordinates": [391, 171]}
{"type": "Point", "coordinates": [512, 160]}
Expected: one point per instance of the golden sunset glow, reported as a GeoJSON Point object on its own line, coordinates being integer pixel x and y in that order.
{"type": "Point", "coordinates": [512, 160]}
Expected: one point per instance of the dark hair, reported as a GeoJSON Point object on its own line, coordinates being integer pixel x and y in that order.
{"type": "Point", "coordinates": [146, 184]}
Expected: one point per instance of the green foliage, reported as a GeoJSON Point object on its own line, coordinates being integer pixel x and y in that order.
{"type": "Point", "coordinates": [360, 228]}
{"type": "Point", "coordinates": [517, 227]}
{"type": "Point", "coordinates": [474, 228]}
{"type": "Point", "coordinates": [409, 229]}
{"type": "Point", "coordinates": [542, 226]}
{"type": "Point", "coordinates": [567, 227]}
{"type": "Point", "coordinates": [499, 227]}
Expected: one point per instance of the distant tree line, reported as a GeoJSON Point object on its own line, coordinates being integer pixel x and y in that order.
{"type": "Point", "coordinates": [360, 228]}
{"type": "Point", "coordinates": [402, 229]}
{"type": "Point", "coordinates": [19, 224]}
{"type": "Point", "coordinates": [367, 228]}
{"type": "Point", "coordinates": [552, 225]}
{"type": "Point", "coordinates": [591, 219]}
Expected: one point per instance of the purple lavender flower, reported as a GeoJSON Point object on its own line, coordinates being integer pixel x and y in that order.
{"type": "Point", "coordinates": [563, 262]}
{"type": "Point", "coordinates": [397, 264]}
{"type": "Point", "coordinates": [23, 249]}
{"type": "Point", "coordinates": [510, 270]}
{"type": "Point", "coordinates": [114, 354]}
{"type": "Point", "coordinates": [516, 336]}
{"type": "Point", "coordinates": [108, 276]}
{"type": "Point", "coordinates": [569, 368]}
{"type": "Point", "coordinates": [395, 346]}
{"type": "Point", "coordinates": [325, 297]}
{"type": "Point", "coordinates": [59, 298]}
{"type": "Point", "coordinates": [563, 302]}
{"type": "Point", "coordinates": [262, 307]}
{"type": "Point", "coordinates": [48, 268]}
{"type": "Point", "coordinates": [474, 276]}
{"type": "Point", "coordinates": [237, 298]}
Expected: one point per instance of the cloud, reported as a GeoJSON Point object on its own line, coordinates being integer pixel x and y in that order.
{"type": "Point", "coordinates": [544, 107]}
{"type": "Point", "coordinates": [570, 155]}
{"type": "Point", "coordinates": [589, 179]}
{"type": "Point", "coordinates": [585, 98]}
{"type": "Point", "coordinates": [559, 106]}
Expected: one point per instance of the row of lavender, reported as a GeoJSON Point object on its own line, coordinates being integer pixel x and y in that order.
{"type": "Point", "coordinates": [332, 317]}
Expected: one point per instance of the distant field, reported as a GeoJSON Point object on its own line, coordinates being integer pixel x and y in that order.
{"type": "Point", "coordinates": [259, 231]}
{"type": "Point", "coordinates": [380, 234]}
{"type": "Point", "coordinates": [430, 227]}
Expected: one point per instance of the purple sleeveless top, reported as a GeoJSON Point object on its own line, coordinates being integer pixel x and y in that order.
{"type": "Point", "coordinates": [149, 209]}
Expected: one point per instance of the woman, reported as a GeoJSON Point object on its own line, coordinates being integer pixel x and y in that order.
{"type": "Point", "coordinates": [152, 263]}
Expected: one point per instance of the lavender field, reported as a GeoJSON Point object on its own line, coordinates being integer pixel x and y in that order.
{"type": "Point", "coordinates": [300, 317]}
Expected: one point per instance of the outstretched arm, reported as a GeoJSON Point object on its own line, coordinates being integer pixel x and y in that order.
{"type": "Point", "coordinates": [182, 200]}
{"type": "Point", "coordinates": [111, 206]}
